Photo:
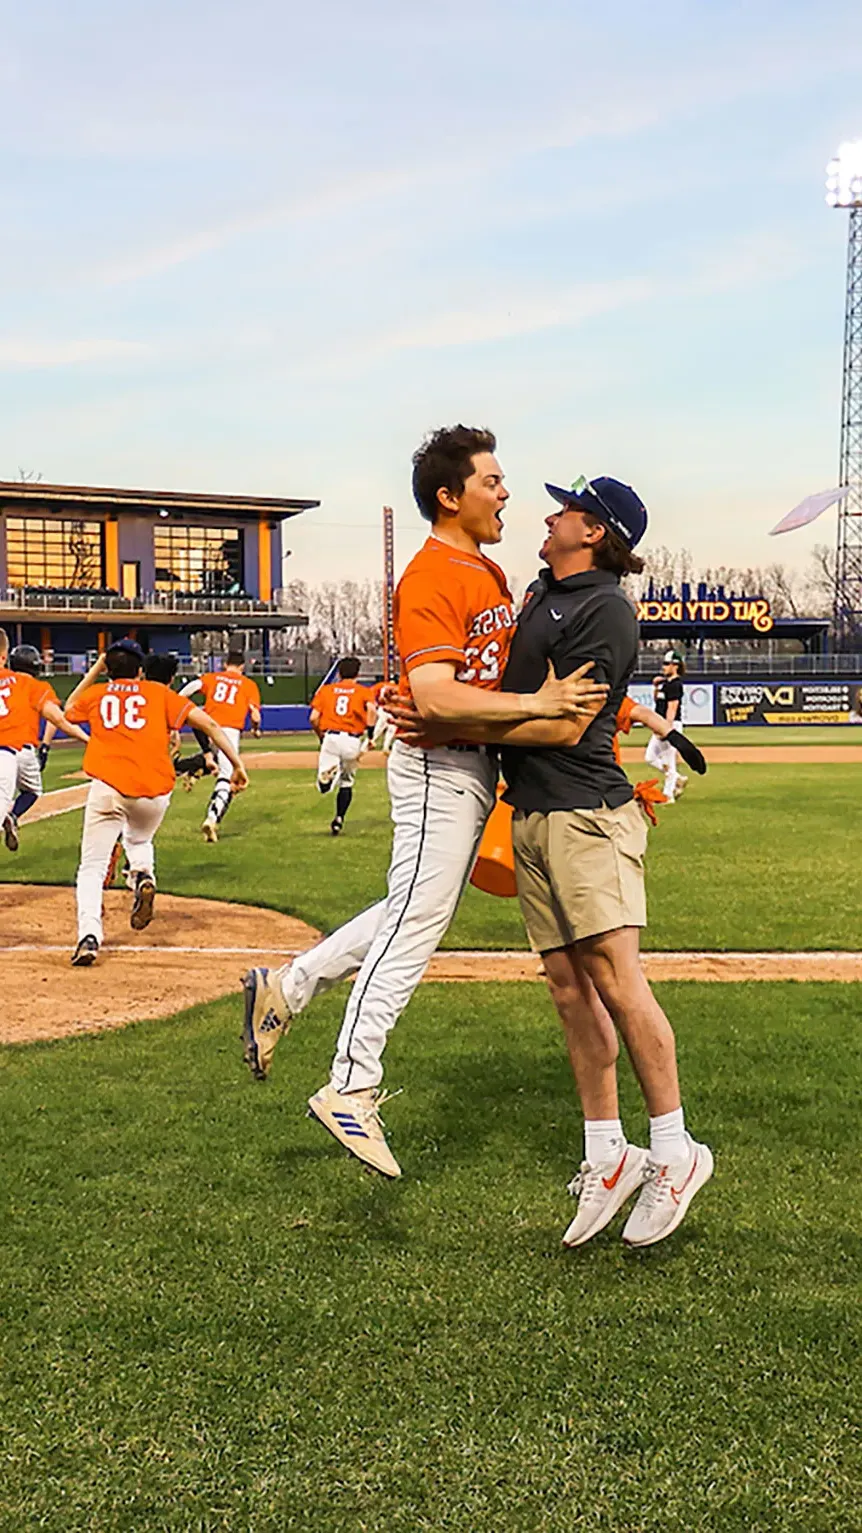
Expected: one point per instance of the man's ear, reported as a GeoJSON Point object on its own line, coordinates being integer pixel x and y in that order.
{"type": "Point", "coordinates": [447, 503]}
{"type": "Point", "coordinates": [594, 534]}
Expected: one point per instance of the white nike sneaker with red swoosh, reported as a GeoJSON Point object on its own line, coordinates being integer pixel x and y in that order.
{"type": "Point", "coordinates": [667, 1193]}
{"type": "Point", "coordinates": [601, 1192]}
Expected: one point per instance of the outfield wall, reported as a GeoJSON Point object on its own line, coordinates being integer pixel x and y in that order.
{"type": "Point", "coordinates": [764, 702]}
{"type": "Point", "coordinates": [767, 701]}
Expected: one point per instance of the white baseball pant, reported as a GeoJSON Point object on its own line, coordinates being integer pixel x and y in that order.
{"type": "Point", "coordinates": [29, 775]}
{"type": "Point", "coordinates": [440, 801]}
{"type": "Point", "coordinates": [8, 774]}
{"type": "Point", "coordinates": [221, 794]}
{"type": "Point", "coordinates": [663, 756]}
{"type": "Point", "coordinates": [336, 764]}
{"type": "Point", "coordinates": [107, 815]}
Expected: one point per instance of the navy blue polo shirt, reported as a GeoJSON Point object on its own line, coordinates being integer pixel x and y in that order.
{"type": "Point", "coordinates": [584, 617]}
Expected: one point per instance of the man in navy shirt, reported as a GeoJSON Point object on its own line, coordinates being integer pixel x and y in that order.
{"type": "Point", "coordinates": [579, 840]}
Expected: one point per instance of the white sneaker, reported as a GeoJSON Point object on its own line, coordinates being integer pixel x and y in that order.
{"type": "Point", "coordinates": [667, 1193]}
{"type": "Point", "coordinates": [353, 1118]}
{"type": "Point", "coordinates": [601, 1192]}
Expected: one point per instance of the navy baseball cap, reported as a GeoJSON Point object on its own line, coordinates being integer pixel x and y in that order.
{"type": "Point", "coordinates": [610, 501]}
{"type": "Point", "coordinates": [129, 646]}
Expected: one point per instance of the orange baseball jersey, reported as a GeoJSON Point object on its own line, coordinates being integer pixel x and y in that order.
{"type": "Point", "coordinates": [624, 726]}
{"type": "Point", "coordinates": [21, 699]}
{"type": "Point", "coordinates": [228, 696]}
{"type": "Point", "coordinates": [129, 723]}
{"type": "Point", "coordinates": [341, 705]}
{"type": "Point", "coordinates": [451, 605]}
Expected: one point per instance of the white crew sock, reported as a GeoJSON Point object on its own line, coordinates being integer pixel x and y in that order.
{"type": "Point", "coordinates": [604, 1140]}
{"type": "Point", "coordinates": [668, 1140]}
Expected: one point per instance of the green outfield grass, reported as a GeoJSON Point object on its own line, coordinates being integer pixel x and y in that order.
{"type": "Point", "coordinates": [752, 857]}
{"type": "Point", "coordinates": [212, 1319]}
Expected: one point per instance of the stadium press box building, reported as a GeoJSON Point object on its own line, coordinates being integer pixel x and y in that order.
{"type": "Point", "coordinates": [81, 566]}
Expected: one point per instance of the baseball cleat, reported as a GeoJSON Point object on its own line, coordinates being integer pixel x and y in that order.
{"type": "Point", "coordinates": [353, 1118]}
{"type": "Point", "coordinates": [142, 909]}
{"type": "Point", "coordinates": [601, 1192]}
{"type": "Point", "coordinates": [327, 778]}
{"type": "Point", "coordinates": [337, 825]}
{"type": "Point", "coordinates": [85, 953]}
{"type": "Point", "coordinates": [10, 832]}
{"type": "Point", "coordinates": [666, 1194]}
{"type": "Point", "coordinates": [680, 786]}
{"type": "Point", "coordinates": [210, 830]}
{"type": "Point", "coordinates": [267, 1018]}
{"type": "Point", "coordinates": [113, 865]}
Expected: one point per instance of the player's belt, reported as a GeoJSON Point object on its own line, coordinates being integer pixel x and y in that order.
{"type": "Point", "coordinates": [480, 750]}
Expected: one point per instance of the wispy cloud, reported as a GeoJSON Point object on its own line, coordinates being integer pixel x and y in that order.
{"type": "Point", "coordinates": [24, 354]}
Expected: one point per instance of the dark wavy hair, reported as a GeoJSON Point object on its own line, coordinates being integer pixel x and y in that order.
{"type": "Point", "coordinates": [445, 462]}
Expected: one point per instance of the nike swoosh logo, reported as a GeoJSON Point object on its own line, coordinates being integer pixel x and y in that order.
{"type": "Point", "coordinates": [611, 1182]}
{"type": "Point", "coordinates": [677, 1192]}
{"type": "Point", "coordinates": [556, 615]}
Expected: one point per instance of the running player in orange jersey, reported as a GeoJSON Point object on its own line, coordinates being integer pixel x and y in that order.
{"type": "Point", "coordinates": [229, 697]}
{"type": "Point", "coordinates": [454, 619]}
{"type": "Point", "coordinates": [341, 712]}
{"type": "Point", "coordinates": [23, 700]}
{"type": "Point", "coordinates": [128, 759]}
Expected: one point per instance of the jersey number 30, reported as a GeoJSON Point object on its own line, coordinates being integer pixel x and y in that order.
{"type": "Point", "coordinates": [115, 710]}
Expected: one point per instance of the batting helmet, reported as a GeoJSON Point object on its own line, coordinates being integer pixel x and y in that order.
{"type": "Point", "coordinates": [25, 657]}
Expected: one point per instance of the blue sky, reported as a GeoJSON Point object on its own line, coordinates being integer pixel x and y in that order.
{"type": "Point", "coordinates": [263, 248]}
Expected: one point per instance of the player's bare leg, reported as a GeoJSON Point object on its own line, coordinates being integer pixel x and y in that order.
{"type": "Point", "coordinates": [678, 1166]}
{"type": "Point", "coordinates": [611, 1170]}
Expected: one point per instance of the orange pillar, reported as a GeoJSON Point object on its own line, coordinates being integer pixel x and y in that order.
{"type": "Point", "coordinates": [112, 553]}
{"type": "Point", "coordinates": [264, 561]}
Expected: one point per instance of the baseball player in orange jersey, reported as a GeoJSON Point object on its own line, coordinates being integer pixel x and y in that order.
{"type": "Point", "coordinates": [341, 712]}
{"type": "Point", "coordinates": [229, 697]}
{"type": "Point", "coordinates": [23, 700]}
{"type": "Point", "coordinates": [128, 759]}
{"type": "Point", "coordinates": [454, 619]}
{"type": "Point", "coordinates": [33, 755]}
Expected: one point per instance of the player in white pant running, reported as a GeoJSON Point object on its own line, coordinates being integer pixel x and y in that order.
{"type": "Point", "coordinates": [229, 697]}
{"type": "Point", "coordinates": [129, 761]}
{"type": "Point", "coordinates": [341, 713]}
{"type": "Point", "coordinates": [668, 692]}
{"type": "Point", "coordinates": [454, 619]}
{"type": "Point", "coordinates": [24, 699]}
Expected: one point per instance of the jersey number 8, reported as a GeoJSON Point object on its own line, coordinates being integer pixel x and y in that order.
{"type": "Point", "coordinates": [113, 710]}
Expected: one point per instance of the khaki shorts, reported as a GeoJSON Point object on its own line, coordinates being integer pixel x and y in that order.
{"type": "Point", "coordinates": [579, 872]}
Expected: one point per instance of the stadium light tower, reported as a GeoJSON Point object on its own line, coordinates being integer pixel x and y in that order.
{"type": "Point", "coordinates": [844, 190]}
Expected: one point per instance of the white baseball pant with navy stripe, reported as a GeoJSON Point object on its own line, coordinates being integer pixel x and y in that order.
{"type": "Point", "coordinates": [440, 801]}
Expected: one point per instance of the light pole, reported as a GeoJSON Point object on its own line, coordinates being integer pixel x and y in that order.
{"type": "Point", "coordinates": [844, 190]}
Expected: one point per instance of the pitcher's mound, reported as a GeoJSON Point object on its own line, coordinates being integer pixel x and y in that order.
{"type": "Point", "coordinates": [193, 951]}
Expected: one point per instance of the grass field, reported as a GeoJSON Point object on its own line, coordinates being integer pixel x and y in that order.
{"type": "Point", "coordinates": [211, 1319]}
{"type": "Point", "coordinates": [752, 857]}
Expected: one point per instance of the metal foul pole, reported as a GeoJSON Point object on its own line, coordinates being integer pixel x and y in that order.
{"type": "Point", "coordinates": [390, 663]}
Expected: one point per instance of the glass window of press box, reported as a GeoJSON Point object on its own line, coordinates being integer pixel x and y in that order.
{"type": "Point", "coordinates": [198, 561]}
{"type": "Point", "coordinates": [55, 552]}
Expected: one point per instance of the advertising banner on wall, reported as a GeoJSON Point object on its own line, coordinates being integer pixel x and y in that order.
{"type": "Point", "coordinates": [788, 702]}
{"type": "Point", "coordinates": [697, 705]}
